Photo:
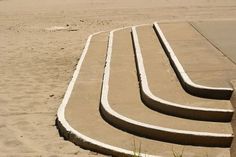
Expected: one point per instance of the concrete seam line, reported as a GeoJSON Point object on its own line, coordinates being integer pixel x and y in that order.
{"type": "Point", "coordinates": [145, 86]}
{"type": "Point", "coordinates": [69, 129]}
{"type": "Point", "coordinates": [110, 112]}
{"type": "Point", "coordinates": [180, 68]}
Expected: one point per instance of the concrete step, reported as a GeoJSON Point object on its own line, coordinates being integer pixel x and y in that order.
{"type": "Point", "coordinates": [122, 107]}
{"type": "Point", "coordinates": [202, 69]}
{"type": "Point", "coordinates": [79, 119]}
{"type": "Point", "coordinates": [161, 89]}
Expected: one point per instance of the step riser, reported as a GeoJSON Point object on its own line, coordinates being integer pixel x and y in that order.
{"type": "Point", "coordinates": [188, 85]}
{"type": "Point", "coordinates": [185, 112]}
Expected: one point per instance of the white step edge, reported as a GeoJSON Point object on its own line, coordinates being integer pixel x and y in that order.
{"type": "Point", "coordinates": [152, 131]}
{"type": "Point", "coordinates": [77, 137]}
{"type": "Point", "coordinates": [156, 103]}
{"type": "Point", "coordinates": [189, 85]}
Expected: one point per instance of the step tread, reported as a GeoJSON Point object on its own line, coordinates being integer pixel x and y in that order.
{"type": "Point", "coordinates": [124, 95]}
{"type": "Point", "coordinates": [82, 111]}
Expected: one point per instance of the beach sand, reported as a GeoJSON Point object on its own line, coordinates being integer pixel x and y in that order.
{"type": "Point", "coordinates": [40, 44]}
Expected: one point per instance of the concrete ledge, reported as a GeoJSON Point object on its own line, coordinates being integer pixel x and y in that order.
{"type": "Point", "coordinates": [187, 83]}
{"type": "Point", "coordinates": [151, 131]}
{"type": "Point", "coordinates": [75, 136]}
{"type": "Point", "coordinates": [158, 104]}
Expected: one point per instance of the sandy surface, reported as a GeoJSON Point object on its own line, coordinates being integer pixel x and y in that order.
{"type": "Point", "coordinates": [40, 43]}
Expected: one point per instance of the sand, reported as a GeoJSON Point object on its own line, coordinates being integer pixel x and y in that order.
{"type": "Point", "coordinates": [40, 43]}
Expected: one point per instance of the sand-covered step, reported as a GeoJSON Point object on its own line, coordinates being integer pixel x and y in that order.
{"type": "Point", "coordinates": [203, 70]}
{"type": "Point", "coordinates": [160, 87]}
{"type": "Point", "coordinates": [79, 119]}
{"type": "Point", "coordinates": [121, 103]}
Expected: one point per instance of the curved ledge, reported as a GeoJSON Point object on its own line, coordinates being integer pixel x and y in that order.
{"type": "Point", "coordinates": [187, 83]}
{"type": "Point", "coordinates": [75, 136]}
{"type": "Point", "coordinates": [164, 106]}
{"type": "Point", "coordinates": [151, 131]}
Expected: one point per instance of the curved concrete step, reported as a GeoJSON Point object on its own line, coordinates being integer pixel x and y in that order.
{"type": "Point", "coordinates": [185, 34]}
{"type": "Point", "coordinates": [165, 86]}
{"type": "Point", "coordinates": [79, 121]}
{"type": "Point", "coordinates": [122, 107]}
